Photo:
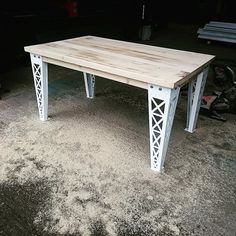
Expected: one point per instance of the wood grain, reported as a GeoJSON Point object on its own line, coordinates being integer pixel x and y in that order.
{"type": "Point", "coordinates": [125, 61]}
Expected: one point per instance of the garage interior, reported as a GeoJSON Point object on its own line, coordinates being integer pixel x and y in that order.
{"type": "Point", "coordinates": [86, 171]}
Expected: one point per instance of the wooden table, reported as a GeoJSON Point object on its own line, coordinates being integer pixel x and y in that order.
{"type": "Point", "coordinates": [161, 71]}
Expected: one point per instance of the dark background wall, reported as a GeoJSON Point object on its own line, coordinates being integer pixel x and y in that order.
{"type": "Point", "coordinates": [25, 22]}
{"type": "Point", "coordinates": [203, 10]}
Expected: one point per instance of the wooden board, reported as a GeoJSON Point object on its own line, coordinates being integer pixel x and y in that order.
{"type": "Point", "coordinates": [134, 62]}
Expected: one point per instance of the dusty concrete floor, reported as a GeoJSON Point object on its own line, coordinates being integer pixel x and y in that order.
{"type": "Point", "coordinates": [86, 171]}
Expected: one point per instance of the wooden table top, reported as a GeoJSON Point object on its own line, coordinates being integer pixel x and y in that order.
{"type": "Point", "coordinates": [147, 64]}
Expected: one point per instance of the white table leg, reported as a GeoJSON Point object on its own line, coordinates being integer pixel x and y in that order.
{"type": "Point", "coordinates": [162, 106]}
{"type": "Point", "coordinates": [89, 81]}
{"type": "Point", "coordinates": [195, 93]}
{"type": "Point", "coordinates": [40, 74]}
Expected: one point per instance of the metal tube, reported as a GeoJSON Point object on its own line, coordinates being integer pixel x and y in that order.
{"type": "Point", "coordinates": [217, 38]}
{"type": "Point", "coordinates": [217, 34]}
{"type": "Point", "coordinates": [223, 24]}
{"type": "Point", "coordinates": [218, 29]}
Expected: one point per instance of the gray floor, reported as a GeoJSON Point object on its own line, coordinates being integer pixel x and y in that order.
{"type": "Point", "coordinates": [86, 171]}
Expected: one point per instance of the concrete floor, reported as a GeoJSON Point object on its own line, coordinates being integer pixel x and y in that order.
{"type": "Point", "coordinates": [86, 171]}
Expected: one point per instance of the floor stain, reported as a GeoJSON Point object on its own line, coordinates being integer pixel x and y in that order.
{"type": "Point", "coordinates": [19, 205]}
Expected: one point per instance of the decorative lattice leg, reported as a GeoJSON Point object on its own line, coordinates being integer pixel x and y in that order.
{"type": "Point", "coordinates": [40, 73]}
{"type": "Point", "coordinates": [89, 81]}
{"type": "Point", "coordinates": [195, 92]}
{"type": "Point", "coordinates": [162, 106]}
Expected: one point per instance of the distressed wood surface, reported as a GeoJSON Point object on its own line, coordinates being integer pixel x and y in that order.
{"type": "Point", "coordinates": [131, 62]}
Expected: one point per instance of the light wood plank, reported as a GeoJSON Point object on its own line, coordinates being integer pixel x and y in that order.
{"type": "Point", "coordinates": [151, 53]}
{"type": "Point", "coordinates": [136, 62]}
{"type": "Point", "coordinates": [120, 79]}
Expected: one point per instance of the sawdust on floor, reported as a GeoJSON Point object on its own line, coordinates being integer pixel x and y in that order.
{"type": "Point", "coordinates": [93, 156]}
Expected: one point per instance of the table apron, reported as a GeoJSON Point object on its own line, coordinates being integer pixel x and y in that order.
{"type": "Point", "coordinates": [121, 79]}
{"type": "Point", "coordinates": [95, 72]}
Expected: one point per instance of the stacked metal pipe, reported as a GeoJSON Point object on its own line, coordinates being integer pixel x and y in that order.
{"type": "Point", "coordinates": [218, 31]}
